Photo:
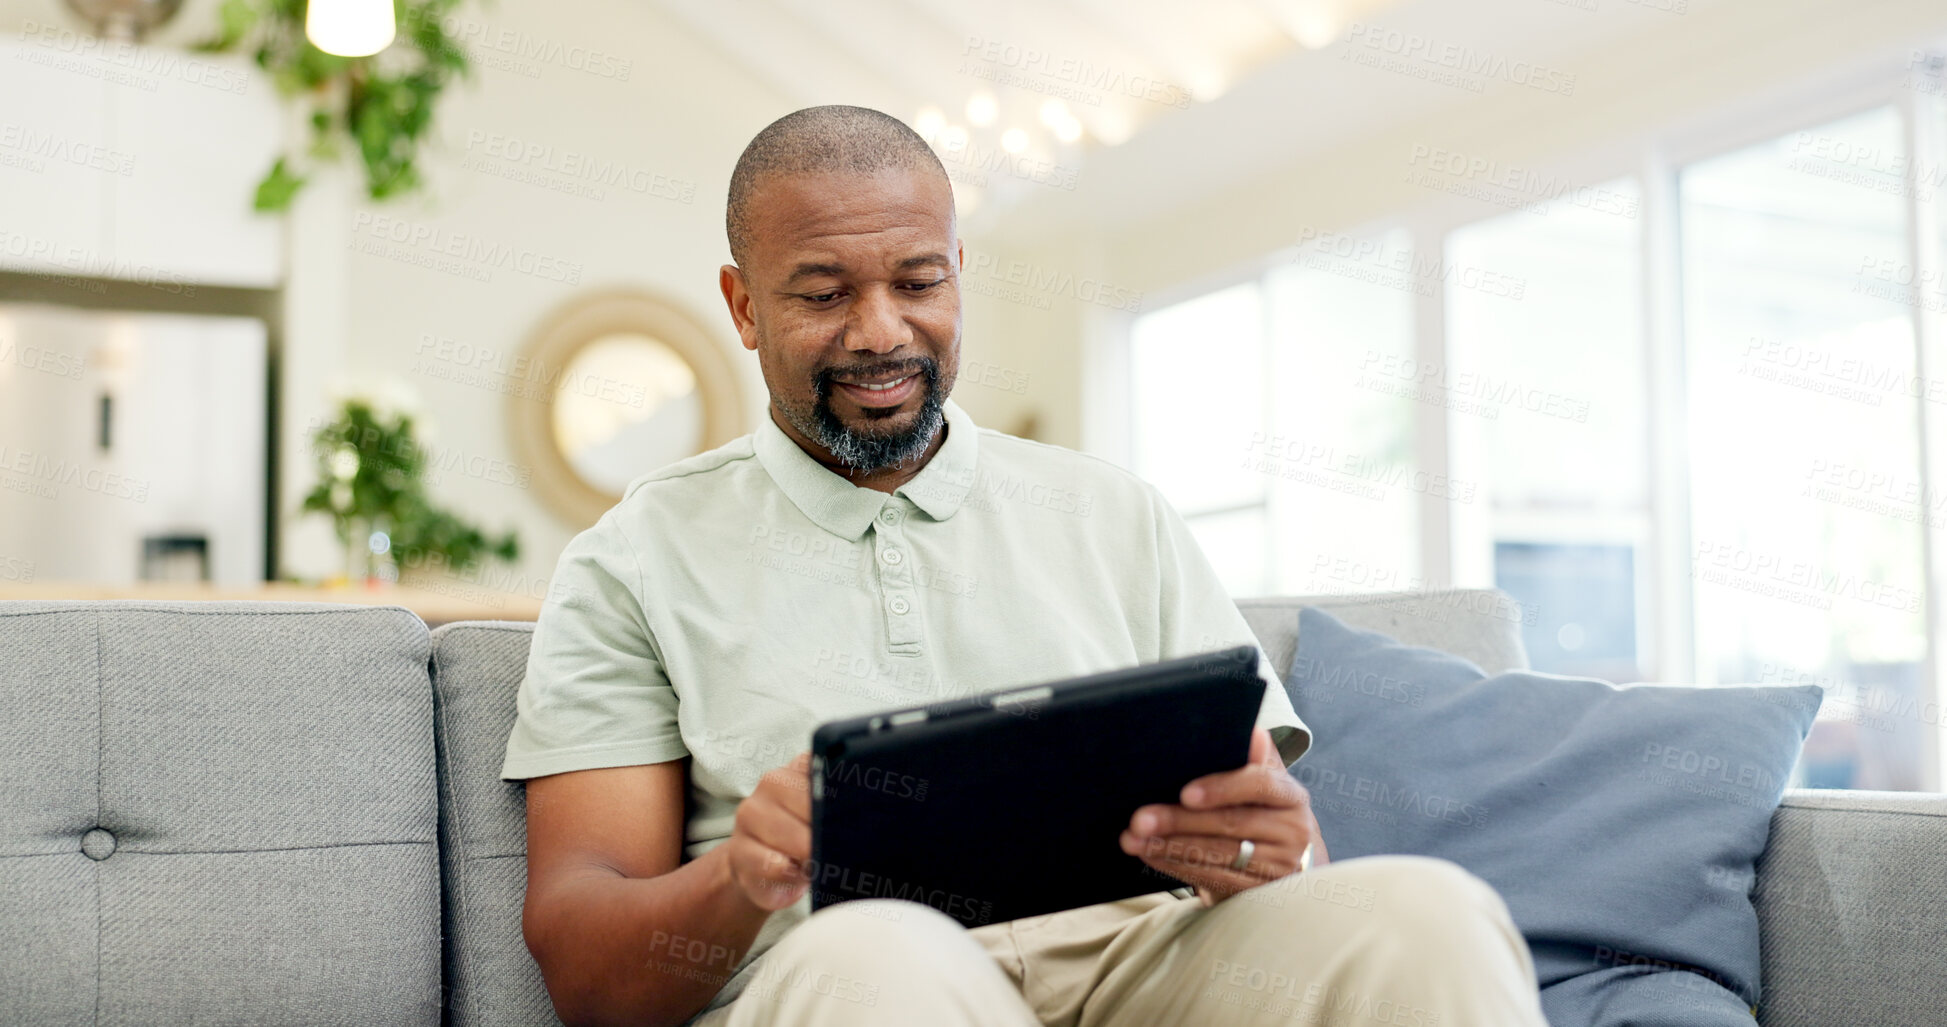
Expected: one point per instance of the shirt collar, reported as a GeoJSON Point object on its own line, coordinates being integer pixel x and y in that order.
{"type": "Point", "coordinates": [942, 485]}
{"type": "Point", "coordinates": [847, 510]}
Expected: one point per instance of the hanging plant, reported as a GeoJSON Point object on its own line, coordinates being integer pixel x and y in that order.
{"type": "Point", "coordinates": [382, 105]}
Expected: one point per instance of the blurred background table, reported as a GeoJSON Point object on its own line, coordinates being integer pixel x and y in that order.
{"type": "Point", "coordinates": [435, 606]}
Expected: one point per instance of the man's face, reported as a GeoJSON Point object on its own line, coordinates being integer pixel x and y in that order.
{"type": "Point", "coordinates": [851, 298]}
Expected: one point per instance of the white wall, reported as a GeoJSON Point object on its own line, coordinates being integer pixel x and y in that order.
{"type": "Point", "coordinates": [365, 312]}
{"type": "Point", "coordinates": [362, 310]}
{"type": "Point", "coordinates": [134, 163]}
{"type": "Point", "coordinates": [674, 112]}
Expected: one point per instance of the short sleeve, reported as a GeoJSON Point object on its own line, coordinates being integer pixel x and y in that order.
{"type": "Point", "coordinates": [595, 694]}
{"type": "Point", "coordinates": [1197, 615]}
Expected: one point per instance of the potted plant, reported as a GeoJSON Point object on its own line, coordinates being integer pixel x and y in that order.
{"type": "Point", "coordinates": [372, 484]}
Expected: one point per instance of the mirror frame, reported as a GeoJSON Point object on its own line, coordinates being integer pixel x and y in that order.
{"type": "Point", "coordinates": [551, 348]}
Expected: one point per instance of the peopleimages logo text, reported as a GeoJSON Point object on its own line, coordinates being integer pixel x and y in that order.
{"type": "Point", "coordinates": [1523, 183]}
{"type": "Point", "coordinates": [1074, 71]}
{"type": "Point", "coordinates": [578, 166]}
{"type": "Point", "coordinates": [1465, 60]}
{"type": "Point", "coordinates": [126, 63]}
{"type": "Point", "coordinates": [1326, 784]}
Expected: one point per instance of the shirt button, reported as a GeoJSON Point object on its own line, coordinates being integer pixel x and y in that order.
{"type": "Point", "coordinates": [892, 557]}
{"type": "Point", "coordinates": [889, 516]}
{"type": "Point", "coordinates": [898, 606]}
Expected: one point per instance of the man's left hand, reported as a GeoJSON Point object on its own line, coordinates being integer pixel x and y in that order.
{"type": "Point", "coordinates": [1198, 840]}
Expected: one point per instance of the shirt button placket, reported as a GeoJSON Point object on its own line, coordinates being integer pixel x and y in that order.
{"type": "Point", "coordinates": [895, 565]}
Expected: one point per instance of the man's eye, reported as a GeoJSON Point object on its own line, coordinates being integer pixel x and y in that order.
{"type": "Point", "coordinates": [923, 286]}
{"type": "Point", "coordinates": [822, 297]}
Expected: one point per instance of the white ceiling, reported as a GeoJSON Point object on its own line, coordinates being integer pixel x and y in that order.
{"type": "Point", "coordinates": [1233, 87]}
{"type": "Point", "coordinates": [1264, 83]}
{"type": "Point", "coordinates": [1307, 101]}
{"type": "Point", "coordinates": [1120, 67]}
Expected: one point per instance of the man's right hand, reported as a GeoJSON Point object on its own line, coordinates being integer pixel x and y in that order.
{"type": "Point", "coordinates": [770, 845]}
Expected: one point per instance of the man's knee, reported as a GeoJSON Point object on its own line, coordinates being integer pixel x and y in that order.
{"type": "Point", "coordinates": [1420, 935]}
{"type": "Point", "coordinates": [1417, 891]}
{"type": "Point", "coordinates": [875, 936]}
{"type": "Point", "coordinates": [1417, 881]}
{"type": "Point", "coordinates": [883, 954]}
{"type": "Point", "coordinates": [1418, 895]}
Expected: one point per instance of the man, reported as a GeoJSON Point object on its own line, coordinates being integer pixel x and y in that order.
{"type": "Point", "coordinates": [870, 547]}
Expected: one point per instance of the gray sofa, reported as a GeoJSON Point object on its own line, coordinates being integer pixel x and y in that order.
{"type": "Point", "coordinates": [225, 813]}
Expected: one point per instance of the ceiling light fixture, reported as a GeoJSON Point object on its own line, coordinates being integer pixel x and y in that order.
{"type": "Point", "coordinates": [966, 199]}
{"type": "Point", "coordinates": [1056, 116]}
{"type": "Point", "coordinates": [1207, 83]}
{"type": "Point", "coordinates": [350, 28]}
{"type": "Point", "coordinates": [1313, 24]}
{"type": "Point", "coordinates": [929, 123]}
{"type": "Point", "coordinates": [1113, 126]}
{"type": "Point", "coordinates": [982, 108]}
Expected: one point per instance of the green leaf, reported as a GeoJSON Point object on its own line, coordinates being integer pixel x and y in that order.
{"type": "Point", "coordinates": [235, 19]}
{"type": "Point", "coordinates": [279, 187]}
{"type": "Point", "coordinates": [384, 109]}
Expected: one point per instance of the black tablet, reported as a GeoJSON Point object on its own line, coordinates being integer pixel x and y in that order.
{"type": "Point", "coordinates": [1011, 804]}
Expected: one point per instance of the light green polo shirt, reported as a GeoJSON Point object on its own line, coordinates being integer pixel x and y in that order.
{"type": "Point", "coordinates": [734, 601]}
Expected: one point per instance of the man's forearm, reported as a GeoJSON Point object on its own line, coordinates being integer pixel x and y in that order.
{"type": "Point", "coordinates": [621, 950]}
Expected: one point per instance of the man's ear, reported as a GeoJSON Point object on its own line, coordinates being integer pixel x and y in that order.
{"type": "Point", "coordinates": [736, 295]}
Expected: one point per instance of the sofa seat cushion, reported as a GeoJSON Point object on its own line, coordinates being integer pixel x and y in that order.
{"type": "Point", "coordinates": [216, 813]}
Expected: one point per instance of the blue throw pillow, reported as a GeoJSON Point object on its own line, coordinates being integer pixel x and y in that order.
{"type": "Point", "coordinates": [1620, 824]}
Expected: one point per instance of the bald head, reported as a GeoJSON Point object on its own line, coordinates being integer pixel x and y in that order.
{"type": "Point", "coordinates": [818, 141]}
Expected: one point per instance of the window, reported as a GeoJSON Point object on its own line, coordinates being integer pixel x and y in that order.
{"type": "Point", "coordinates": [1578, 605]}
{"type": "Point", "coordinates": [1772, 529]}
{"type": "Point", "coordinates": [1804, 437]}
{"type": "Point", "coordinates": [1197, 372]}
{"type": "Point", "coordinates": [1278, 417]}
{"type": "Point", "coordinates": [1346, 492]}
{"type": "Point", "coordinates": [1547, 389]}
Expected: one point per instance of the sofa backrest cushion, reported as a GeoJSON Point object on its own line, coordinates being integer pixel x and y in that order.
{"type": "Point", "coordinates": [491, 979]}
{"type": "Point", "coordinates": [477, 670]}
{"type": "Point", "coordinates": [1479, 625]}
{"type": "Point", "coordinates": [216, 813]}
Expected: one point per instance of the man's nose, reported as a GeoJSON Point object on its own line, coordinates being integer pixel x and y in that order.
{"type": "Point", "coordinates": [876, 325]}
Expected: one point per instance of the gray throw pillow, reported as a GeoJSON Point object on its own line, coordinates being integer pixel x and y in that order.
{"type": "Point", "coordinates": [1621, 824]}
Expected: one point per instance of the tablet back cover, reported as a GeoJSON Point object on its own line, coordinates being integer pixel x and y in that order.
{"type": "Point", "coordinates": [990, 814]}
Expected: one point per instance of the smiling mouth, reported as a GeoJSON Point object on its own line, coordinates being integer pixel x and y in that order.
{"type": "Point", "coordinates": [890, 383]}
{"type": "Point", "coordinates": [884, 394]}
{"type": "Point", "coordinates": [882, 389]}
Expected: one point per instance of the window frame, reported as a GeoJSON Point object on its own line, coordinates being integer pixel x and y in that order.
{"type": "Point", "coordinates": [1456, 543]}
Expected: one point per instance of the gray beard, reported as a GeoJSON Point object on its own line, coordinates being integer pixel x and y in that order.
{"type": "Point", "coordinates": [868, 451]}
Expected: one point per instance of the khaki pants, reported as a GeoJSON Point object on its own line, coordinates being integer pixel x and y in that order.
{"type": "Point", "coordinates": [1397, 940]}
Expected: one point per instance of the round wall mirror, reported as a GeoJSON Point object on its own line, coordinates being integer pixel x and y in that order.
{"type": "Point", "coordinates": [628, 382]}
